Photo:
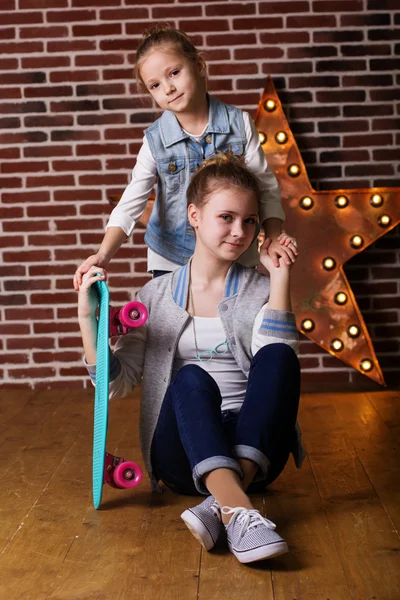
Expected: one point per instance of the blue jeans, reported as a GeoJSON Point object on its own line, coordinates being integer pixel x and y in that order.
{"type": "Point", "coordinates": [193, 436]}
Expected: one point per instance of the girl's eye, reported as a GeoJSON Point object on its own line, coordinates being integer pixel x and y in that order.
{"type": "Point", "coordinates": [226, 217]}
{"type": "Point", "coordinates": [175, 72]}
{"type": "Point", "coordinates": [153, 86]}
{"type": "Point", "coordinates": [250, 221]}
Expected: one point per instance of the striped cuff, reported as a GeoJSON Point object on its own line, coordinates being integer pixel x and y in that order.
{"type": "Point", "coordinates": [280, 324]}
{"type": "Point", "coordinates": [91, 369]}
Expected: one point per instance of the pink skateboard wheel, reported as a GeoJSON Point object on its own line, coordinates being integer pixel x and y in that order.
{"type": "Point", "coordinates": [132, 315]}
{"type": "Point", "coordinates": [127, 475]}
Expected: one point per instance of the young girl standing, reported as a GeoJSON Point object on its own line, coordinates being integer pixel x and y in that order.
{"type": "Point", "coordinates": [217, 360]}
{"type": "Point", "coordinates": [193, 127]}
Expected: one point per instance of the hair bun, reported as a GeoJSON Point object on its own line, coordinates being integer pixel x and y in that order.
{"type": "Point", "coordinates": [223, 170]}
{"type": "Point", "coordinates": [155, 29]}
{"type": "Point", "coordinates": [221, 158]}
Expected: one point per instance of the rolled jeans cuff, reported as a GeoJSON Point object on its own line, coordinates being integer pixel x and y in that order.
{"type": "Point", "coordinates": [242, 451]}
{"type": "Point", "coordinates": [210, 464]}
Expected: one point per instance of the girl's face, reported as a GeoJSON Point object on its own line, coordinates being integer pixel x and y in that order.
{"type": "Point", "coordinates": [226, 224]}
{"type": "Point", "coordinates": [173, 80]}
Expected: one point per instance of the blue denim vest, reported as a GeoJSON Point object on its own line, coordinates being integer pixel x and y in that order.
{"type": "Point", "coordinates": [177, 157]}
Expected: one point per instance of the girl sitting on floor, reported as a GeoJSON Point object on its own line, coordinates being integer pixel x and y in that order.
{"type": "Point", "coordinates": [217, 361]}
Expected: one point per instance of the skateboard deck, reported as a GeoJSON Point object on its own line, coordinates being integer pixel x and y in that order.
{"type": "Point", "coordinates": [107, 468]}
{"type": "Point", "coordinates": [101, 392]}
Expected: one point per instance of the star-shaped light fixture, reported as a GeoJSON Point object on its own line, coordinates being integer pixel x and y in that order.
{"type": "Point", "coordinates": [331, 227]}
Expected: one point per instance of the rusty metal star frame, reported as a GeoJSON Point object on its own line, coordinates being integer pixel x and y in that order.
{"type": "Point", "coordinates": [331, 227]}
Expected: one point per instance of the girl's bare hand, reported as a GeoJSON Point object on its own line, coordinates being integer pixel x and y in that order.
{"type": "Point", "coordinates": [271, 262]}
{"type": "Point", "coordinates": [87, 296]}
{"type": "Point", "coordinates": [289, 242]}
{"type": "Point", "coordinates": [95, 259]}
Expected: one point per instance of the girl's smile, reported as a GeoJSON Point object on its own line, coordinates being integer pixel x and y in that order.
{"type": "Point", "coordinates": [175, 99]}
{"type": "Point", "coordinates": [234, 245]}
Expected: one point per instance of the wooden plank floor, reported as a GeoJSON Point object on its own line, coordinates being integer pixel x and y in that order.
{"type": "Point", "coordinates": [340, 513]}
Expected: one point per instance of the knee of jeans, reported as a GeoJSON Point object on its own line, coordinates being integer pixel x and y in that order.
{"type": "Point", "coordinates": [193, 376]}
{"type": "Point", "coordinates": [279, 351]}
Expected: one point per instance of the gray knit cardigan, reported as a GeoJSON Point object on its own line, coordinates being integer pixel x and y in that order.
{"type": "Point", "coordinates": [146, 355]}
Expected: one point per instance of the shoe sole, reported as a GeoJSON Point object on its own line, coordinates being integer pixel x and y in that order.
{"type": "Point", "coordinates": [198, 529]}
{"type": "Point", "coordinates": [262, 553]}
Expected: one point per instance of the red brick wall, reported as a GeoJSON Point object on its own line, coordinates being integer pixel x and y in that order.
{"type": "Point", "coordinates": [71, 125]}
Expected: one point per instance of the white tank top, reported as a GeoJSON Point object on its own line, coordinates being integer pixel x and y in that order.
{"type": "Point", "coordinates": [222, 367]}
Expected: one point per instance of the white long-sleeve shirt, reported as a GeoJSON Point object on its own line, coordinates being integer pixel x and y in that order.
{"type": "Point", "coordinates": [134, 199]}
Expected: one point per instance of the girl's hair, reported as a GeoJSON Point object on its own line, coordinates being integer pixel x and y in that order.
{"type": "Point", "coordinates": [162, 35]}
{"type": "Point", "coordinates": [221, 171]}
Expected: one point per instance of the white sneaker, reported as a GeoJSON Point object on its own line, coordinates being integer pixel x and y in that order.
{"type": "Point", "coordinates": [204, 521]}
{"type": "Point", "coordinates": [251, 536]}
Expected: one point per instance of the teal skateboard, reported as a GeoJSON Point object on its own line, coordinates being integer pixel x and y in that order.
{"type": "Point", "coordinates": [113, 470]}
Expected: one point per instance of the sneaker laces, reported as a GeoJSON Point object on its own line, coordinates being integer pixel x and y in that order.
{"type": "Point", "coordinates": [247, 517]}
{"type": "Point", "coordinates": [214, 507]}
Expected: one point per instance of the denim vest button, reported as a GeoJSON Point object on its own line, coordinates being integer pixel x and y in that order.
{"type": "Point", "coordinates": [209, 139]}
{"type": "Point", "coordinates": [224, 307]}
{"type": "Point", "coordinates": [172, 167]}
